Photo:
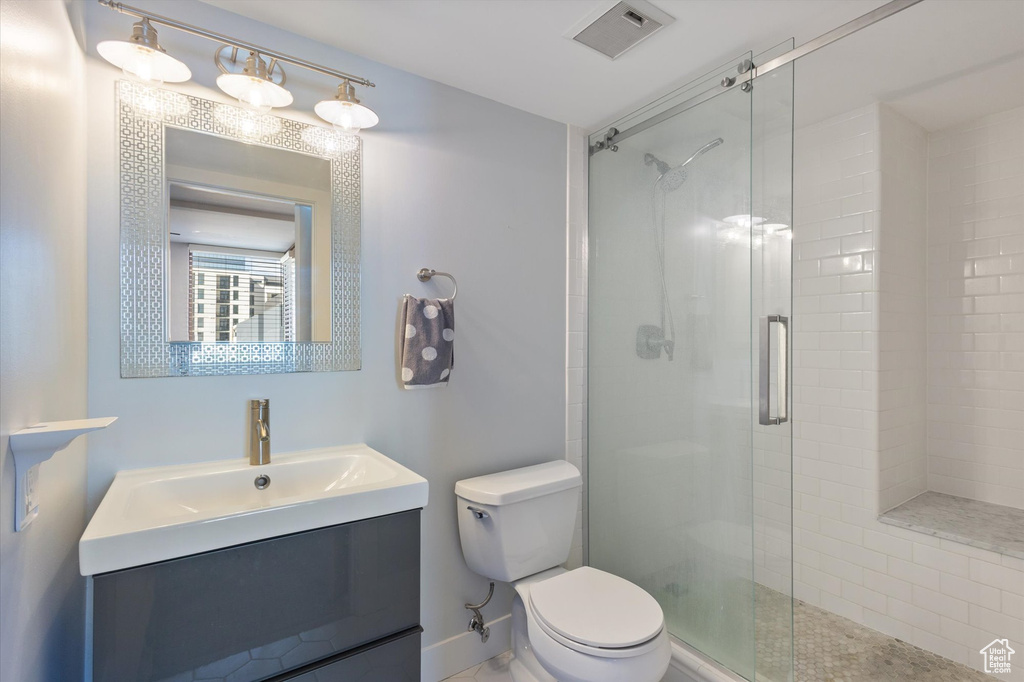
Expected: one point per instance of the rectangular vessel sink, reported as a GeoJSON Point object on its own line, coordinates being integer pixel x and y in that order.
{"type": "Point", "coordinates": [151, 515]}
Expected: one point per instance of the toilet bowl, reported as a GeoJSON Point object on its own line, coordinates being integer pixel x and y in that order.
{"type": "Point", "coordinates": [583, 625]}
{"type": "Point", "coordinates": [583, 636]}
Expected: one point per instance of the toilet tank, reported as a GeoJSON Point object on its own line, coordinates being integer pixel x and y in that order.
{"type": "Point", "coordinates": [516, 523]}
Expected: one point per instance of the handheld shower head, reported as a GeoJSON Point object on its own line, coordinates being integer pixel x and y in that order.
{"type": "Point", "coordinates": [672, 178]}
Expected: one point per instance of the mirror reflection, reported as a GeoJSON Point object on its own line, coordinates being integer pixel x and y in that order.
{"type": "Point", "coordinates": [249, 241]}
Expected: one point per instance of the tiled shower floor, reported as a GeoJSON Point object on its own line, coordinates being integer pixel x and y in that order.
{"type": "Point", "coordinates": [828, 648]}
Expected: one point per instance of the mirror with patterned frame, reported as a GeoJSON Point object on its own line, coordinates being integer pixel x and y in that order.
{"type": "Point", "coordinates": [239, 239]}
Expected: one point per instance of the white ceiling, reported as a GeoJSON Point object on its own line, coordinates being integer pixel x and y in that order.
{"type": "Point", "coordinates": [515, 51]}
{"type": "Point", "coordinates": [215, 217]}
{"type": "Point", "coordinates": [217, 228]}
{"type": "Point", "coordinates": [201, 197]}
{"type": "Point", "coordinates": [939, 63]}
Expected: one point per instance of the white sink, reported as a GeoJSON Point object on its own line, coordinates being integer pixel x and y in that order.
{"type": "Point", "coordinates": [151, 515]}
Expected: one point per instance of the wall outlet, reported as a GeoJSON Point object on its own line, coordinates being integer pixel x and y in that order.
{"type": "Point", "coordinates": [31, 496]}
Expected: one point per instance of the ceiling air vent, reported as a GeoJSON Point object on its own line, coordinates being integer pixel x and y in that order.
{"type": "Point", "coordinates": [612, 32]}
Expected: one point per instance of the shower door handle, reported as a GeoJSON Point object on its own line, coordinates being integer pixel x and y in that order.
{"type": "Point", "coordinates": [764, 371]}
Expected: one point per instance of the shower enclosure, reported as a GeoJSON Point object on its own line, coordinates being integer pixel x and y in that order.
{"type": "Point", "coordinates": [689, 444]}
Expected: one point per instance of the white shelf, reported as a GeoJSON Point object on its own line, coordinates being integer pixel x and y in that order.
{"type": "Point", "coordinates": [37, 444]}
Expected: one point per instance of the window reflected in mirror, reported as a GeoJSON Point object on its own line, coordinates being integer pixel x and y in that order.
{"type": "Point", "coordinates": [249, 242]}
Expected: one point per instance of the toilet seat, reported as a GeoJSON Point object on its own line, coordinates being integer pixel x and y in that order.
{"type": "Point", "coordinates": [596, 613]}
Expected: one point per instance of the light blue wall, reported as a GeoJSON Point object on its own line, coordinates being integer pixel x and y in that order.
{"type": "Point", "coordinates": [451, 181]}
{"type": "Point", "coordinates": [42, 334]}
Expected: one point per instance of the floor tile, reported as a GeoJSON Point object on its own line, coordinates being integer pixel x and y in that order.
{"type": "Point", "coordinates": [493, 670]}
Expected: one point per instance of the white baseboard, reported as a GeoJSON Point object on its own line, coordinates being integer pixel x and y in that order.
{"type": "Point", "coordinates": [455, 654]}
{"type": "Point", "coordinates": [689, 665]}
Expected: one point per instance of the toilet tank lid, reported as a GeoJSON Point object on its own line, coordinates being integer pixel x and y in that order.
{"type": "Point", "coordinates": [507, 487]}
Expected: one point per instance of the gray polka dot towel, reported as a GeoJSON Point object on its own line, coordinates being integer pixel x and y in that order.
{"type": "Point", "coordinates": [427, 338]}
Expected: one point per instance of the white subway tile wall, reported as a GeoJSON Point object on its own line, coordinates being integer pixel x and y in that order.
{"type": "Point", "coordinates": [900, 261]}
{"type": "Point", "coordinates": [854, 381]}
{"type": "Point", "coordinates": [976, 309]}
{"type": "Point", "coordinates": [576, 323]}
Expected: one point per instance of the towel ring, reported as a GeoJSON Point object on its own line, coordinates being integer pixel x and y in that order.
{"type": "Point", "coordinates": [425, 274]}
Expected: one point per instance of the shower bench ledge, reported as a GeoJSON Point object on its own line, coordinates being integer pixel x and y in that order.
{"type": "Point", "coordinates": [993, 527]}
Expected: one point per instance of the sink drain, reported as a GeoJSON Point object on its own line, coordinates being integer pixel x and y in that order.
{"type": "Point", "coordinates": [262, 481]}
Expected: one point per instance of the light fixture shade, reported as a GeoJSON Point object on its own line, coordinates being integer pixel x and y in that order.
{"type": "Point", "coordinates": [142, 57]}
{"type": "Point", "coordinates": [350, 117]}
{"type": "Point", "coordinates": [345, 111]}
{"type": "Point", "coordinates": [258, 93]}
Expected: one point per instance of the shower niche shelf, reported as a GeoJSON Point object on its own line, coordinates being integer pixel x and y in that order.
{"type": "Point", "coordinates": [993, 527]}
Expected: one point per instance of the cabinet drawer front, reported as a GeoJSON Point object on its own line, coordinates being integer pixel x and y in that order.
{"type": "Point", "coordinates": [255, 611]}
{"type": "Point", "coordinates": [396, 661]}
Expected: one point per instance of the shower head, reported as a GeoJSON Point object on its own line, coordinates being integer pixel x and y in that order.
{"type": "Point", "coordinates": [673, 178]}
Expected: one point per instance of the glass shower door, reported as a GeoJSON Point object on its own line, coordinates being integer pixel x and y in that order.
{"type": "Point", "coordinates": [675, 260]}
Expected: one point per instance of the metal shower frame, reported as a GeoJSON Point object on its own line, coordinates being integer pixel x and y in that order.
{"type": "Point", "coordinates": [748, 72]}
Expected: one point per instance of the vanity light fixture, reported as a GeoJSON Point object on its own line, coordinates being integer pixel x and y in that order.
{"type": "Point", "coordinates": [256, 82]}
{"type": "Point", "coordinates": [345, 111]}
{"type": "Point", "coordinates": [142, 57]}
{"type": "Point", "coordinates": [254, 85]}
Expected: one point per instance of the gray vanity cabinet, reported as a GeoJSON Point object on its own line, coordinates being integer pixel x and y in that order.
{"type": "Point", "coordinates": [331, 604]}
{"type": "Point", "coordinates": [395, 660]}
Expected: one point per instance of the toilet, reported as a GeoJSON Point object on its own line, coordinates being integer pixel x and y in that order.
{"type": "Point", "coordinates": [583, 625]}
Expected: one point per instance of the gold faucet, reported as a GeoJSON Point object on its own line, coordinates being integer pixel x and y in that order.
{"type": "Point", "coordinates": [259, 432]}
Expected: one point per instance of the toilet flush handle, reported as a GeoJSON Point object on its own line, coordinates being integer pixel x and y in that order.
{"type": "Point", "coordinates": [478, 512]}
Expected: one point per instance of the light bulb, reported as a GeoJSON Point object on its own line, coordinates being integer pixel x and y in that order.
{"type": "Point", "coordinates": [139, 63]}
{"type": "Point", "coordinates": [256, 94]}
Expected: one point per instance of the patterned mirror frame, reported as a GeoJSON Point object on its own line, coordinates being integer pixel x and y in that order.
{"type": "Point", "coordinates": [144, 113]}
